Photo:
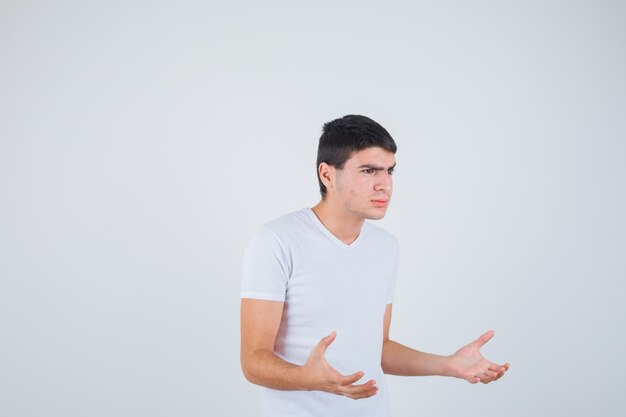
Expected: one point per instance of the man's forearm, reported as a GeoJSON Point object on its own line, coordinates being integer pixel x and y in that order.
{"type": "Point", "coordinates": [265, 368]}
{"type": "Point", "coordinates": [398, 359]}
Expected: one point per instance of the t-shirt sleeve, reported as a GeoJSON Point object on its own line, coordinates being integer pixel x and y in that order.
{"type": "Point", "coordinates": [391, 289]}
{"type": "Point", "coordinates": [265, 270]}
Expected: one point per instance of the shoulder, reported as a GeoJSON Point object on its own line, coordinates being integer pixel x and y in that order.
{"type": "Point", "coordinates": [286, 220]}
{"type": "Point", "coordinates": [289, 224]}
{"type": "Point", "coordinates": [282, 231]}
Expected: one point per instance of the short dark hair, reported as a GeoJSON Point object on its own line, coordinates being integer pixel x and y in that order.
{"type": "Point", "coordinates": [342, 137]}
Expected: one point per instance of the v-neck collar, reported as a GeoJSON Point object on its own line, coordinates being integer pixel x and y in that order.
{"type": "Point", "coordinates": [331, 236]}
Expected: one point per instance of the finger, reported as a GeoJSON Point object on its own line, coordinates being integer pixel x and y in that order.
{"type": "Point", "coordinates": [494, 367]}
{"type": "Point", "coordinates": [474, 374]}
{"type": "Point", "coordinates": [360, 391]}
{"type": "Point", "coordinates": [370, 392]}
{"type": "Point", "coordinates": [499, 373]}
{"type": "Point", "coordinates": [366, 394]}
{"type": "Point", "coordinates": [502, 371]}
{"type": "Point", "coordinates": [498, 368]}
{"type": "Point", "coordinates": [484, 338]}
{"type": "Point", "coordinates": [473, 379]}
{"type": "Point", "coordinates": [350, 379]}
{"type": "Point", "coordinates": [487, 377]}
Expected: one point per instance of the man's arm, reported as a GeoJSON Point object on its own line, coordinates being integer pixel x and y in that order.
{"type": "Point", "coordinates": [466, 363]}
{"type": "Point", "coordinates": [260, 321]}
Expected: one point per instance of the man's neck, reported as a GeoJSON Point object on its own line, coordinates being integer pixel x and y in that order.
{"type": "Point", "coordinates": [344, 225]}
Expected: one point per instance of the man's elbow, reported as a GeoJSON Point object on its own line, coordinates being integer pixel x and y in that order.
{"type": "Point", "coordinates": [245, 366]}
{"type": "Point", "coordinates": [248, 368]}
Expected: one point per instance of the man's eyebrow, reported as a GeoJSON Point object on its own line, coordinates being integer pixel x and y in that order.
{"type": "Point", "coordinates": [376, 167]}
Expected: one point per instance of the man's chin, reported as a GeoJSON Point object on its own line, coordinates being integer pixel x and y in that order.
{"type": "Point", "coordinates": [376, 215]}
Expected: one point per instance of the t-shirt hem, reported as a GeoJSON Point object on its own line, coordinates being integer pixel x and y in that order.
{"type": "Point", "coordinates": [263, 296]}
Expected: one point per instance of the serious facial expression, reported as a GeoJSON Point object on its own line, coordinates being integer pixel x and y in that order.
{"type": "Point", "coordinates": [364, 185]}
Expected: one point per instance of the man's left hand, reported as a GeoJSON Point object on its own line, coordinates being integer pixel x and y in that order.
{"type": "Point", "coordinates": [469, 364]}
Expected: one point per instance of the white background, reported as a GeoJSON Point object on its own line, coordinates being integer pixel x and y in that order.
{"type": "Point", "coordinates": [143, 143]}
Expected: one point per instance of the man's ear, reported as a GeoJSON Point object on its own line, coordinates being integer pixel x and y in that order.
{"type": "Point", "coordinates": [328, 174]}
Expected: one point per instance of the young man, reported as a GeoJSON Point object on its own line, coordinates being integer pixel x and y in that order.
{"type": "Point", "coordinates": [317, 290]}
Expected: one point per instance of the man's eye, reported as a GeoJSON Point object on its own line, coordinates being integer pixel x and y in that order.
{"type": "Point", "coordinates": [390, 172]}
{"type": "Point", "coordinates": [368, 170]}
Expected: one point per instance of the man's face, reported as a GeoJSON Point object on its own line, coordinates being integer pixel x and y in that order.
{"type": "Point", "coordinates": [363, 187]}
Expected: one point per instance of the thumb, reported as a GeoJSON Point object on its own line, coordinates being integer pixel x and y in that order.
{"type": "Point", "coordinates": [484, 338]}
{"type": "Point", "coordinates": [325, 342]}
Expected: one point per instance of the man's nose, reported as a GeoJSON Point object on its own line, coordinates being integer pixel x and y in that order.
{"type": "Point", "coordinates": [385, 181]}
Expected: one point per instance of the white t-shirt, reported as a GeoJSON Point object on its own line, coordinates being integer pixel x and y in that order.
{"type": "Point", "coordinates": [326, 285]}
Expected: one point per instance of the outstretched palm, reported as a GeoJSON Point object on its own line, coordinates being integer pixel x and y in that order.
{"type": "Point", "coordinates": [327, 378]}
{"type": "Point", "coordinates": [468, 363]}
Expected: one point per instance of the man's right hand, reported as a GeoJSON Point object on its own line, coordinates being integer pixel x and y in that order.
{"type": "Point", "coordinates": [323, 377]}
{"type": "Point", "coordinates": [260, 321]}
